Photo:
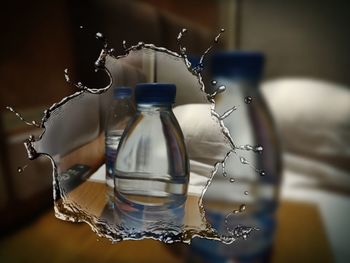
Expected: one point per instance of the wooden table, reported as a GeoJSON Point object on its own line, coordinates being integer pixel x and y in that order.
{"type": "Point", "coordinates": [300, 238]}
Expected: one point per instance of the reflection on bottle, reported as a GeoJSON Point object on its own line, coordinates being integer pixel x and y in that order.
{"type": "Point", "coordinates": [165, 225]}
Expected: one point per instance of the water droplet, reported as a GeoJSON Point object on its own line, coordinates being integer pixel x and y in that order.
{"type": "Point", "coordinates": [99, 36]}
{"type": "Point", "coordinates": [246, 192]}
{"type": "Point", "coordinates": [222, 30]}
{"type": "Point", "coordinates": [79, 84]}
{"type": "Point", "coordinates": [66, 76]}
{"type": "Point", "coordinates": [111, 51]}
{"type": "Point", "coordinates": [224, 174]}
{"type": "Point", "coordinates": [124, 44]}
{"type": "Point", "coordinates": [31, 137]}
{"type": "Point", "coordinates": [248, 100]}
{"type": "Point", "coordinates": [243, 160]}
{"type": "Point", "coordinates": [81, 27]}
{"type": "Point", "coordinates": [214, 82]}
{"type": "Point", "coordinates": [216, 39]}
{"type": "Point", "coordinates": [258, 149]}
{"type": "Point", "coordinates": [21, 169]}
{"type": "Point", "coordinates": [262, 173]}
{"type": "Point", "coordinates": [98, 64]}
{"type": "Point", "coordinates": [232, 180]}
{"type": "Point", "coordinates": [222, 88]}
{"type": "Point", "coordinates": [181, 33]}
{"type": "Point", "coordinates": [242, 207]}
{"type": "Point", "coordinates": [248, 147]}
{"type": "Point", "coordinates": [34, 123]}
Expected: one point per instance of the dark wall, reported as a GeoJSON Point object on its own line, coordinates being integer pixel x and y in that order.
{"type": "Point", "coordinates": [300, 38]}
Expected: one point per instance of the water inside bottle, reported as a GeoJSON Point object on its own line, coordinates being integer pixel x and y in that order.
{"type": "Point", "coordinates": [149, 191]}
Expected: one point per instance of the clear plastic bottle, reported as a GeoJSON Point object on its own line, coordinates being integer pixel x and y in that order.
{"type": "Point", "coordinates": [152, 167]}
{"type": "Point", "coordinates": [120, 113]}
{"type": "Point", "coordinates": [252, 174]}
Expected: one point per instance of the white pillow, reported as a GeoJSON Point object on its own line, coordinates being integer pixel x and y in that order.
{"type": "Point", "coordinates": [313, 116]}
{"type": "Point", "coordinates": [204, 140]}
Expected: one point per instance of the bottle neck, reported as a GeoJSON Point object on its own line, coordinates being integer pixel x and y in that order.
{"type": "Point", "coordinates": [153, 107]}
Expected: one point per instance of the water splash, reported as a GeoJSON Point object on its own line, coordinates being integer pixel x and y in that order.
{"type": "Point", "coordinates": [238, 231]}
{"type": "Point", "coordinates": [30, 123]}
{"type": "Point", "coordinates": [66, 210]}
{"type": "Point", "coordinates": [20, 169]}
{"type": "Point", "coordinates": [242, 207]}
{"type": "Point", "coordinates": [248, 100]}
{"type": "Point", "coordinates": [247, 147]}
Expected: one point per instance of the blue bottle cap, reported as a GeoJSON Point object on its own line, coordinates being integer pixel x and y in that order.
{"type": "Point", "coordinates": [163, 93]}
{"type": "Point", "coordinates": [121, 92]}
{"type": "Point", "coordinates": [238, 64]}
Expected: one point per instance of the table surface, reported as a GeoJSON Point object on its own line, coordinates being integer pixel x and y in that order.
{"type": "Point", "coordinates": [300, 238]}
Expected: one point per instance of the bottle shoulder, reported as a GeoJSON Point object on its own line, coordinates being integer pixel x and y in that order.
{"type": "Point", "coordinates": [160, 131]}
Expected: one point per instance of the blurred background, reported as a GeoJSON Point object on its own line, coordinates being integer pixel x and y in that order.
{"type": "Point", "coordinates": [306, 86]}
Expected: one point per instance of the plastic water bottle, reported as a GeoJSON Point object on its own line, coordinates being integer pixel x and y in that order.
{"type": "Point", "coordinates": [152, 167]}
{"type": "Point", "coordinates": [120, 113]}
{"type": "Point", "coordinates": [251, 180]}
